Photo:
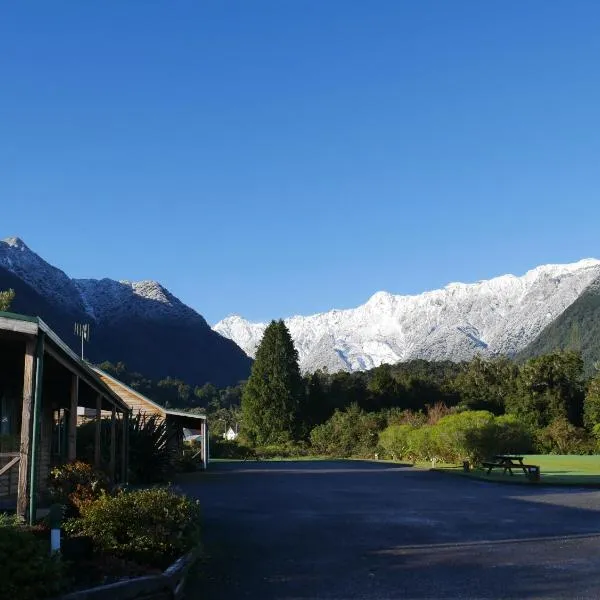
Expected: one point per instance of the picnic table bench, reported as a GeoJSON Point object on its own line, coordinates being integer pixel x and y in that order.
{"type": "Point", "coordinates": [508, 462]}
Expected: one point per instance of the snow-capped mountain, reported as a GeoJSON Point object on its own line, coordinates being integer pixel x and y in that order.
{"type": "Point", "coordinates": [100, 299]}
{"type": "Point", "coordinates": [139, 323]}
{"type": "Point", "coordinates": [496, 316]}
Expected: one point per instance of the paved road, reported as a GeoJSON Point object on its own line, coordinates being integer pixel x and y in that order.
{"type": "Point", "coordinates": [304, 530]}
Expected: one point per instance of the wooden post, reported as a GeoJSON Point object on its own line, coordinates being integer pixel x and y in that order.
{"type": "Point", "coordinates": [36, 428]}
{"type": "Point", "coordinates": [113, 444]}
{"type": "Point", "coordinates": [97, 456]}
{"type": "Point", "coordinates": [125, 449]}
{"type": "Point", "coordinates": [72, 449]}
{"type": "Point", "coordinates": [25, 446]}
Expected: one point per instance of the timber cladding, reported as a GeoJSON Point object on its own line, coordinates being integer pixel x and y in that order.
{"type": "Point", "coordinates": [136, 401]}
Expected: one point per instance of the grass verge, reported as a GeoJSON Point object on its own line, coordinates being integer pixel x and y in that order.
{"type": "Point", "coordinates": [569, 470]}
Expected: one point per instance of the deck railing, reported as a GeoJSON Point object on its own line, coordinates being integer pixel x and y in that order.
{"type": "Point", "coordinates": [9, 473]}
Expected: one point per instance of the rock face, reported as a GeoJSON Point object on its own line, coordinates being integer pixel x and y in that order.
{"type": "Point", "coordinates": [498, 316]}
{"type": "Point", "coordinates": [139, 323]}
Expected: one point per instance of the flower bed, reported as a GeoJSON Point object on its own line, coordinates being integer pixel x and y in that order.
{"type": "Point", "coordinates": [113, 539]}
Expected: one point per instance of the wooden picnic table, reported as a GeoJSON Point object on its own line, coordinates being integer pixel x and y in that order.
{"type": "Point", "coordinates": [507, 462]}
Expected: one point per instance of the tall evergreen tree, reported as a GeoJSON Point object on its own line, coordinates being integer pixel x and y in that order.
{"type": "Point", "coordinates": [271, 398]}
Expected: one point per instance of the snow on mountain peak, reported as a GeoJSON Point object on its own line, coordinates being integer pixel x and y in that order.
{"type": "Point", "coordinates": [496, 316]}
{"type": "Point", "coordinates": [16, 242]}
{"type": "Point", "coordinates": [103, 299]}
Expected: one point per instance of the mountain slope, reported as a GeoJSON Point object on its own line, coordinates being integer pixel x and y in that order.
{"type": "Point", "coordinates": [577, 328]}
{"type": "Point", "coordinates": [497, 316]}
{"type": "Point", "coordinates": [139, 323]}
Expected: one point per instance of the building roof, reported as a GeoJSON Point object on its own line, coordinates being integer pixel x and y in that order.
{"type": "Point", "coordinates": [157, 407]}
{"type": "Point", "coordinates": [60, 351]}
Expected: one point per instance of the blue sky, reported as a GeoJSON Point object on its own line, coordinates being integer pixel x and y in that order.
{"type": "Point", "coordinates": [288, 157]}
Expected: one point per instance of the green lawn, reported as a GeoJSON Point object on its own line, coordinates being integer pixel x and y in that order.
{"type": "Point", "coordinates": [555, 470]}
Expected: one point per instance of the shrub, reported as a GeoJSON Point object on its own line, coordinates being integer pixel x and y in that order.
{"type": "Point", "coordinates": [288, 450]}
{"type": "Point", "coordinates": [76, 484]}
{"type": "Point", "coordinates": [221, 448]}
{"type": "Point", "coordinates": [562, 437]}
{"type": "Point", "coordinates": [7, 520]}
{"type": "Point", "coordinates": [461, 435]}
{"type": "Point", "coordinates": [27, 571]}
{"type": "Point", "coordinates": [152, 526]}
{"type": "Point", "coordinates": [395, 440]}
{"type": "Point", "coordinates": [470, 435]}
{"type": "Point", "coordinates": [149, 454]}
{"type": "Point", "coordinates": [347, 433]}
{"type": "Point", "coordinates": [423, 444]}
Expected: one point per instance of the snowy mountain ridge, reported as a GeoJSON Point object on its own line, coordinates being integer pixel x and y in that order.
{"type": "Point", "coordinates": [99, 299]}
{"type": "Point", "coordinates": [138, 323]}
{"type": "Point", "coordinates": [496, 316]}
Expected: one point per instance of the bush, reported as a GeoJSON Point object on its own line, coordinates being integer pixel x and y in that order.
{"type": "Point", "coordinates": [470, 435]}
{"type": "Point", "coordinates": [562, 437]}
{"type": "Point", "coordinates": [149, 455]}
{"type": "Point", "coordinates": [465, 436]}
{"type": "Point", "coordinates": [348, 433]}
{"type": "Point", "coordinates": [150, 460]}
{"type": "Point", "coordinates": [423, 444]}
{"type": "Point", "coordinates": [27, 571]}
{"type": "Point", "coordinates": [153, 526]}
{"type": "Point", "coordinates": [7, 520]}
{"type": "Point", "coordinates": [395, 440]}
{"type": "Point", "coordinates": [288, 450]}
{"type": "Point", "coordinates": [76, 484]}
{"type": "Point", "coordinates": [221, 448]}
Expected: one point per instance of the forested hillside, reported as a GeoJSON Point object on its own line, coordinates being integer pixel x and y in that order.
{"type": "Point", "coordinates": [578, 328]}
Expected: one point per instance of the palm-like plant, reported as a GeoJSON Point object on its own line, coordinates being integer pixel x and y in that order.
{"type": "Point", "coordinates": [149, 454]}
{"type": "Point", "coordinates": [150, 459]}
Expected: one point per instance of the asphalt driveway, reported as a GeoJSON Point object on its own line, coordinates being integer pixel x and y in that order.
{"type": "Point", "coordinates": [349, 529]}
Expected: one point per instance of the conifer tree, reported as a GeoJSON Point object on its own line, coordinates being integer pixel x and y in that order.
{"type": "Point", "coordinates": [271, 398]}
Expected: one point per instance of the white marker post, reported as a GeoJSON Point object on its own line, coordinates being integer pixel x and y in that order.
{"type": "Point", "coordinates": [55, 519]}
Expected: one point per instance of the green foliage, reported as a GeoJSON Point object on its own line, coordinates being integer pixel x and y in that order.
{"type": "Point", "coordinates": [484, 384]}
{"type": "Point", "coordinates": [149, 455]}
{"type": "Point", "coordinates": [384, 390]}
{"type": "Point", "coordinates": [6, 299]}
{"type": "Point", "coordinates": [395, 440]}
{"type": "Point", "coordinates": [423, 444]}
{"type": "Point", "coordinates": [289, 450]}
{"type": "Point", "coordinates": [591, 409]}
{"type": "Point", "coordinates": [220, 448]}
{"type": "Point", "coordinates": [27, 571]}
{"type": "Point", "coordinates": [8, 520]}
{"type": "Point", "coordinates": [461, 435]}
{"type": "Point", "coordinates": [352, 432]}
{"type": "Point", "coordinates": [549, 387]}
{"type": "Point", "coordinates": [272, 396]}
{"type": "Point", "coordinates": [469, 435]}
{"type": "Point", "coordinates": [75, 485]}
{"type": "Point", "coordinates": [562, 437]}
{"type": "Point", "coordinates": [174, 392]}
{"type": "Point", "coordinates": [152, 526]}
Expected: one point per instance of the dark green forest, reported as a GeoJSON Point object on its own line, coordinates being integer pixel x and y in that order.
{"type": "Point", "coordinates": [345, 414]}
